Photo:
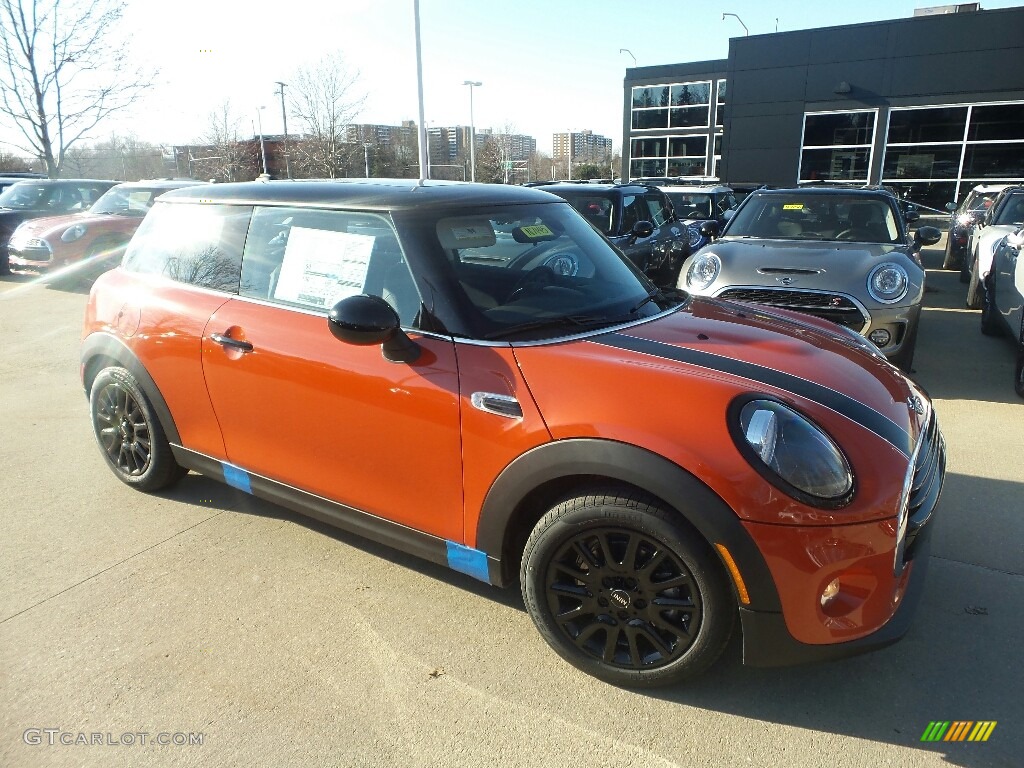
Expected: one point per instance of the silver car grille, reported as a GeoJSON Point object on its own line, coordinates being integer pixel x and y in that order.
{"type": "Point", "coordinates": [836, 307]}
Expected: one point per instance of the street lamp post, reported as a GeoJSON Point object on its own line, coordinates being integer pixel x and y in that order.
{"type": "Point", "coordinates": [263, 147]}
{"type": "Point", "coordinates": [284, 121]}
{"type": "Point", "coordinates": [366, 157]}
{"type": "Point", "coordinates": [472, 131]}
{"type": "Point", "coordinates": [745, 30]}
{"type": "Point", "coordinates": [570, 155]}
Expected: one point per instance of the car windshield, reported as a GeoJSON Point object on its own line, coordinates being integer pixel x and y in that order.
{"type": "Point", "coordinates": [597, 208]}
{"type": "Point", "coordinates": [538, 271]}
{"type": "Point", "coordinates": [978, 201]}
{"type": "Point", "coordinates": [798, 216]}
{"type": "Point", "coordinates": [688, 205]}
{"type": "Point", "coordinates": [1012, 211]}
{"type": "Point", "coordinates": [24, 196]}
{"type": "Point", "coordinates": [126, 201]}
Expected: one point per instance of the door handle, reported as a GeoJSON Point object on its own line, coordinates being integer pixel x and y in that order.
{"type": "Point", "coordinates": [227, 341]}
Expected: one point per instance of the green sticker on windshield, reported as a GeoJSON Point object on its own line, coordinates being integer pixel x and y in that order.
{"type": "Point", "coordinates": [793, 207]}
{"type": "Point", "coordinates": [536, 230]}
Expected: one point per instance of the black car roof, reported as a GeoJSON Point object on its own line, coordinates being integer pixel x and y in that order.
{"type": "Point", "coordinates": [382, 194]}
{"type": "Point", "coordinates": [584, 187]}
{"type": "Point", "coordinates": [824, 191]}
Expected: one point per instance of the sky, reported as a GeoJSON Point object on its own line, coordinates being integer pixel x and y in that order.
{"type": "Point", "coordinates": [546, 65]}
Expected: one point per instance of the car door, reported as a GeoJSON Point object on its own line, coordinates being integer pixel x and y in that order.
{"type": "Point", "coordinates": [1009, 281]}
{"type": "Point", "coordinates": [304, 409]}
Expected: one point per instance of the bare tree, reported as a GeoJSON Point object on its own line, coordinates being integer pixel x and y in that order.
{"type": "Point", "coordinates": [223, 154]}
{"type": "Point", "coordinates": [12, 163]}
{"type": "Point", "coordinates": [324, 101]}
{"type": "Point", "coordinates": [63, 69]}
{"type": "Point", "coordinates": [118, 157]}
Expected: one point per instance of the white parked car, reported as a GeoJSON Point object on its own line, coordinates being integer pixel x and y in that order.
{"type": "Point", "coordinates": [1005, 215]}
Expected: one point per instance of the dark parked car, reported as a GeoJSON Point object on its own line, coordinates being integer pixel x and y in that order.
{"type": "Point", "coordinates": [839, 253]}
{"type": "Point", "coordinates": [963, 218]}
{"type": "Point", "coordinates": [408, 362]}
{"type": "Point", "coordinates": [1002, 312]}
{"type": "Point", "coordinates": [639, 221]}
{"type": "Point", "coordinates": [1004, 216]}
{"type": "Point", "coordinates": [44, 197]}
{"type": "Point", "coordinates": [693, 204]}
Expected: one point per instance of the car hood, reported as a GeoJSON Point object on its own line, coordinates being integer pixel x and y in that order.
{"type": "Point", "coordinates": [49, 226]}
{"type": "Point", "coordinates": [829, 266]}
{"type": "Point", "coordinates": [747, 349]}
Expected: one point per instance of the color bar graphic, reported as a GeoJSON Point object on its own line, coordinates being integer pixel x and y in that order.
{"type": "Point", "coordinates": [958, 730]}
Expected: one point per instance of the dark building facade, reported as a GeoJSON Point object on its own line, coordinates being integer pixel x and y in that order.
{"type": "Point", "coordinates": [931, 105]}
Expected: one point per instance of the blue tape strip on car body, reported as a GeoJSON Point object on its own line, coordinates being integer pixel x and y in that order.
{"type": "Point", "coordinates": [467, 560]}
{"type": "Point", "coordinates": [236, 477]}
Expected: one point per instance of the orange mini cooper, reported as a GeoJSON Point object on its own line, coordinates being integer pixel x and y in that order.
{"type": "Point", "coordinates": [646, 464]}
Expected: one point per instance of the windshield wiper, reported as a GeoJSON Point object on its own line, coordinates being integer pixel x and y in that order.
{"type": "Point", "coordinates": [659, 294]}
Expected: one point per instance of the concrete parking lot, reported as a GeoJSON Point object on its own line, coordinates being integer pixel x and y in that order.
{"type": "Point", "coordinates": [204, 614]}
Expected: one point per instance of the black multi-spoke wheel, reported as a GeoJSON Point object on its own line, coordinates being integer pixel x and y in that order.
{"type": "Point", "coordinates": [131, 438]}
{"type": "Point", "coordinates": [622, 590]}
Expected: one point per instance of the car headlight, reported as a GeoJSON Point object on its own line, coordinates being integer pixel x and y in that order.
{"type": "Point", "coordinates": [73, 233]}
{"type": "Point", "coordinates": [693, 232]}
{"type": "Point", "coordinates": [888, 283]}
{"type": "Point", "coordinates": [794, 454]}
{"type": "Point", "coordinates": [703, 271]}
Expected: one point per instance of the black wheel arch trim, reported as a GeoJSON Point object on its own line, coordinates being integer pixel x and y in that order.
{"type": "Point", "coordinates": [621, 462]}
{"type": "Point", "coordinates": [104, 345]}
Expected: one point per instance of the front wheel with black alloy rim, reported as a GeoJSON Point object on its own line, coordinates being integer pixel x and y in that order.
{"type": "Point", "coordinates": [1018, 373]}
{"type": "Point", "coordinates": [991, 323]}
{"type": "Point", "coordinates": [953, 257]}
{"type": "Point", "coordinates": [625, 591]}
{"type": "Point", "coordinates": [129, 434]}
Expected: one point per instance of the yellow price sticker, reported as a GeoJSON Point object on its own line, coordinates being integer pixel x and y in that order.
{"type": "Point", "coordinates": [536, 230]}
{"type": "Point", "coordinates": [793, 207]}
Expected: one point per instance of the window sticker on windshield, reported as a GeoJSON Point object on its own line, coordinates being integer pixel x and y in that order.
{"type": "Point", "coordinates": [793, 207]}
{"type": "Point", "coordinates": [537, 230]}
{"type": "Point", "coordinates": [321, 267]}
{"type": "Point", "coordinates": [469, 233]}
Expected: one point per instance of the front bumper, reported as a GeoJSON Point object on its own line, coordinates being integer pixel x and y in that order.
{"type": "Point", "coordinates": [768, 643]}
{"type": "Point", "coordinates": [36, 259]}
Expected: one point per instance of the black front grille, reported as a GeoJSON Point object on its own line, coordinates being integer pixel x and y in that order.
{"type": "Point", "coordinates": [929, 470]}
{"type": "Point", "coordinates": [830, 306]}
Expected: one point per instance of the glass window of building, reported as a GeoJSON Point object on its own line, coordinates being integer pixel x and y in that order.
{"type": "Point", "coordinates": [937, 154]}
{"type": "Point", "coordinates": [837, 146]}
{"type": "Point", "coordinates": [720, 104]}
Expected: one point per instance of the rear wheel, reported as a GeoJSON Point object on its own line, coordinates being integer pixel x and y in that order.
{"type": "Point", "coordinates": [623, 590]}
{"type": "Point", "coordinates": [974, 289]}
{"type": "Point", "coordinates": [129, 434]}
{"type": "Point", "coordinates": [991, 323]}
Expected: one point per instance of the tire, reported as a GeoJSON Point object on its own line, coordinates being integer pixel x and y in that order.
{"type": "Point", "coordinates": [905, 359]}
{"type": "Point", "coordinates": [625, 591]}
{"type": "Point", "coordinates": [128, 433]}
{"type": "Point", "coordinates": [965, 268]}
{"type": "Point", "coordinates": [991, 323]}
{"type": "Point", "coordinates": [1018, 371]}
{"type": "Point", "coordinates": [974, 289]}
{"type": "Point", "coordinates": [951, 260]}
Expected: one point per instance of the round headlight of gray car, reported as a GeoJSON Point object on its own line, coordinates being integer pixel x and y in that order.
{"type": "Point", "coordinates": [703, 271]}
{"type": "Point", "coordinates": [888, 283]}
{"type": "Point", "coordinates": [73, 233]}
{"type": "Point", "coordinates": [794, 454]}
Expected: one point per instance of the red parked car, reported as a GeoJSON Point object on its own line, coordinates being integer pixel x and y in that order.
{"type": "Point", "coordinates": [473, 374]}
{"type": "Point", "coordinates": [99, 234]}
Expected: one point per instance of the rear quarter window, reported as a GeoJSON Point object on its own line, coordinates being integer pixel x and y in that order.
{"type": "Point", "coordinates": [191, 243]}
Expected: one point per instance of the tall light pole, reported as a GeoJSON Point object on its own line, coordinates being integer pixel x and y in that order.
{"type": "Point", "coordinates": [263, 147]}
{"type": "Point", "coordinates": [366, 157]}
{"type": "Point", "coordinates": [745, 30]}
{"type": "Point", "coordinates": [424, 170]}
{"type": "Point", "coordinates": [284, 120]}
{"type": "Point", "coordinates": [472, 131]}
{"type": "Point", "coordinates": [570, 155]}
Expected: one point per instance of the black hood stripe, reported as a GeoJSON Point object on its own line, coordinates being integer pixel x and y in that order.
{"type": "Point", "coordinates": [843, 404]}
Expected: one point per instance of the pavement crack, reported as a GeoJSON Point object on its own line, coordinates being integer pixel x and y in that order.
{"type": "Point", "coordinates": [111, 567]}
{"type": "Point", "coordinates": [977, 565]}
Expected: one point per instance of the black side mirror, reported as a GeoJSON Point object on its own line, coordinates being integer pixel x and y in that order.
{"type": "Point", "coordinates": [368, 320]}
{"type": "Point", "coordinates": [950, 207]}
{"type": "Point", "coordinates": [927, 236]}
{"type": "Point", "coordinates": [641, 230]}
{"type": "Point", "coordinates": [912, 216]}
{"type": "Point", "coordinates": [709, 228]}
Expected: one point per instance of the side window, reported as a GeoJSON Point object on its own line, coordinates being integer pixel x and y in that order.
{"type": "Point", "coordinates": [631, 212]}
{"type": "Point", "coordinates": [658, 215]}
{"type": "Point", "coordinates": [191, 243]}
{"type": "Point", "coordinates": [314, 258]}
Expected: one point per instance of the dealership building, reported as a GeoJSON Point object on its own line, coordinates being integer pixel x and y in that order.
{"type": "Point", "coordinates": [931, 105]}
